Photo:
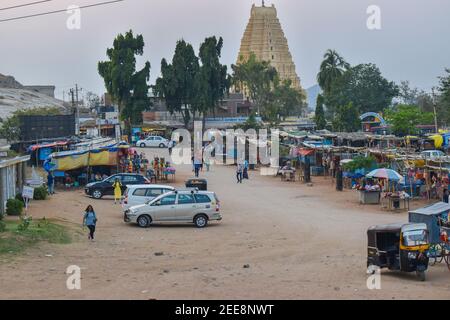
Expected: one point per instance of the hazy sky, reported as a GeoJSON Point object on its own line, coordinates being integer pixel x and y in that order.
{"type": "Point", "coordinates": [413, 43]}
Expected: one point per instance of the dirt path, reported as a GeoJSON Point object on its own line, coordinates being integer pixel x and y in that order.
{"type": "Point", "coordinates": [299, 241]}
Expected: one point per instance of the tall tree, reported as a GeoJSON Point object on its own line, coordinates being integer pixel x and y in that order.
{"type": "Point", "coordinates": [291, 101]}
{"type": "Point", "coordinates": [320, 119]}
{"type": "Point", "coordinates": [443, 101]}
{"type": "Point", "coordinates": [127, 87]}
{"type": "Point", "coordinates": [405, 119]}
{"type": "Point", "coordinates": [363, 86]}
{"type": "Point", "coordinates": [177, 83]}
{"type": "Point", "coordinates": [346, 118]}
{"type": "Point", "coordinates": [257, 78]}
{"type": "Point", "coordinates": [212, 82]}
{"type": "Point", "coordinates": [332, 68]}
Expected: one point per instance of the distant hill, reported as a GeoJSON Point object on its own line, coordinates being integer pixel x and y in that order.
{"type": "Point", "coordinates": [9, 82]}
{"type": "Point", "coordinates": [312, 93]}
{"type": "Point", "coordinates": [14, 96]}
{"type": "Point", "coordinates": [15, 99]}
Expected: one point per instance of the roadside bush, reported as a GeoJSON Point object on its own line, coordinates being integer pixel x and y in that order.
{"type": "Point", "coordinates": [19, 197]}
{"type": "Point", "coordinates": [14, 207]}
{"type": "Point", "coordinates": [24, 223]}
{"type": "Point", "coordinates": [40, 193]}
{"type": "Point", "coordinates": [2, 226]}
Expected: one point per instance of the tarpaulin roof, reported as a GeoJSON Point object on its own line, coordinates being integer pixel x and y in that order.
{"type": "Point", "coordinates": [434, 209]}
{"type": "Point", "coordinates": [47, 145]}
{"type": "Point", "coordinates": [305, 152]}
{"type": "Point", "coordinates": [111, 148]}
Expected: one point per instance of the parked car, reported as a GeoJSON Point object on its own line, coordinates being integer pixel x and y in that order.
{"type": "Point", "coordinates": [105, 188]}
{"type": "Point", "coordinates": [432, 154]}
{"type": "Point", "coordinates": [188, 206]}
{"type": "Point", "coordinates": [142, 193]}
{"type": "Point", "coordinates": [153, 141]}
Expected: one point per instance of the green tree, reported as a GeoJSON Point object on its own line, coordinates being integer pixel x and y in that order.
{"type": "Point", "coordinates": [320, 119]}
{"type": "Point", "coordinates": [177, 84]}
{"type": "Point", "coordinates": [127, 87]}
{"type": "Point", "coordinates": [250, 123]}
{"type": "Point", "coordinates": [290, 100]}
{"type": "Point", "coordinates": [212, 81]}
{"type": "Point", "coordinates": [346, 118]}
{"type": "Point", "coordinates": [363, 86]}
{"type": "Point", "coordinates": [257, 78]}
{"type": "Point", "coordinates": [405, 119]}
{"type": "Point", "coordinates": [443, 103]}
{"type": "Point", "coordinates": [332, 68]}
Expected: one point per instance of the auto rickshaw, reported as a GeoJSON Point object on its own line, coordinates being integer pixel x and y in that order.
{"type": "Point", "coordinates": [401, 247]}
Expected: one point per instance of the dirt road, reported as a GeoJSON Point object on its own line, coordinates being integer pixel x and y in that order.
{"type": "Point", "coordinates": [299, 242]}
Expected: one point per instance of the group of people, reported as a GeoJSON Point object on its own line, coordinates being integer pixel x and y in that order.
{"type": "Point", "coordinates": [242, 171]}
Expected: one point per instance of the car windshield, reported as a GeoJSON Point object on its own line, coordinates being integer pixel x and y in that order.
{"type": "Point", "coordinates": [415, 238]}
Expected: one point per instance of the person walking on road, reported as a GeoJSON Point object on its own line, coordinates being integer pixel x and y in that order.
{"type": "Point", "coordinates": [117, 191]}
{"type": "Point", "coordinates": [51, 183]}
{"type": "Point", "coordinates": [239, 171]}
{"type": "Point", "coordinates": [90, 220]}
{"type": "Point", "coordinates": [245, 171]}
{"type": "Point", "coordinates": [170, 146]}
{"type": "Point", "coordinates": [197, 166]}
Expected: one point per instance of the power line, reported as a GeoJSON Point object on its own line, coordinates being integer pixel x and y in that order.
{"type": "Point", "coordinates": [59, 11]}
{"type": "Point", "coordinates": [24, 5]}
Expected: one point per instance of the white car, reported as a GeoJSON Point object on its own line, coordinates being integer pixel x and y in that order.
{"type": "Point", "coordinates": [153, 141]}
{"type": "Point", "coordinates": [184, 206]}
{"type": "Point", "coordinates": [432, 154]}
{"type": "Point", "coordinates": [140, 194]}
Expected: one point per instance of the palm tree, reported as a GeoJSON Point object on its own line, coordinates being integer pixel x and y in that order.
{"type": "Point", "coordinates": [332, 68]}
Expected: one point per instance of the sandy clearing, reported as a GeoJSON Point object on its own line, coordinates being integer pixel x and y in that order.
{"type": "Point", "coordinates": [300, 242]}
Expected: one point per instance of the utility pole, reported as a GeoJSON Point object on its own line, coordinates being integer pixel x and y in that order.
{"type": "Point", "coordinates": [434, 110]}
{"type": "Point", "coordinates": [76, 104]}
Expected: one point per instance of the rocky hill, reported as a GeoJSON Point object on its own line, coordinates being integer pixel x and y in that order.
{"type": "Point", "coordinates": [14, 96]}
{"type": "Point", "coordinates": [9, 82]}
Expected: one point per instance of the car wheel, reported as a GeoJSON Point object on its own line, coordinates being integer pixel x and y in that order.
{"type": "Point", "coordinates": [144, 221]}
{"type": "Point", "coordinates": [162, 145]}
{"type": "Point", "coordinates": [200, 221]}
{"type": "Point", "coordinates": [97, 194]}
{"type": "Point", "coordinates": [142, 145]}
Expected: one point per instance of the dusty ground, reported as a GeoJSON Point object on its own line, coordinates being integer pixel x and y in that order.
{"type": "Point", "coordinates": [300, 242]}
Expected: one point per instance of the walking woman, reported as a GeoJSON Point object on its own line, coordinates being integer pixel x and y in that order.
{"type": "Point", "coordinates": [90, 220]}
{"type": "Point", "coordinates": [117, 191]}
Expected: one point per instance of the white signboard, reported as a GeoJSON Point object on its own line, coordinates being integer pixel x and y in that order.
{"type": "Point", "coordinates": [27, 195]}
{"type": "Point", "coordinates": [28, 192]}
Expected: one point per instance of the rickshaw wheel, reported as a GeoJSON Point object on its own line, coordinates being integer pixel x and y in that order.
{"type": "Point", "coordinates": [447, 259]}
{"type": "Point", "coordinates": [421, 275]}
{"type": "Point", "coordinates": [436, 254]}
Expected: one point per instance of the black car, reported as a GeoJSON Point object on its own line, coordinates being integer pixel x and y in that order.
{"type": "Point", "coordinates": [105, 188]}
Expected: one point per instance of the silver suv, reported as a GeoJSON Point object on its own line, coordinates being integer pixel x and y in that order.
{"type": "Point", "coordinates": [187, 206]}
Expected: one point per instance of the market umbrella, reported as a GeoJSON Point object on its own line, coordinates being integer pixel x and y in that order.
{"type": "Point", "coordinates": [384, 173]}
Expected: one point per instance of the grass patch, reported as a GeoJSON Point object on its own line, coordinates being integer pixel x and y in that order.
{"type": "Point", "coordinates": [14, 240]}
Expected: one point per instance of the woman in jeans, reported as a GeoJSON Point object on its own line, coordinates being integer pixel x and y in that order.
{"type": "Point", "coordinates": [90, 220]}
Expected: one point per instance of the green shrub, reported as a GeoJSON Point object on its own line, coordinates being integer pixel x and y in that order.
{"type": "Point", "coordinates": [14, 207]}
{"type": "Point", "coordinates": [24, 223]}
{"type": "Point", "coordinates": [2, 226]}
{"type": "Point", "coordinates": [19, 197]}
{"type": "Point", "coordinates": [40, 193]}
